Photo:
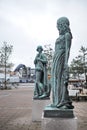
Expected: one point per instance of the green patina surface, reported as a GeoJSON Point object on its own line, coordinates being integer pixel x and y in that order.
{"type": "Point", "coordinates": [60, 71]}
{"type": "Point", "coordinates": [42, 89]}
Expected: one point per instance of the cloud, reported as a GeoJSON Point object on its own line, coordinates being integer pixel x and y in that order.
{"type": "Point", "coordinates": [28, 23]}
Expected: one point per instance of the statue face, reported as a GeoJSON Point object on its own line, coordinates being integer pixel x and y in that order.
{"type": "Point", "coordinates": [39, 50]}
{"type": "Point", "coordinates": [62, 24]}
{"type": "Point", "coordinates": [60, 28]}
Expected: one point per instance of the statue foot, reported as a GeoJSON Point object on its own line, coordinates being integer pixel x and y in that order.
{"type": "Point", "coordinates": [51, 105]}
{"type": "Point", "coordinates": [43, 96]}
{"type": "Point", "coordinates": [70, 106]}
{"type": "Point", "coordinates": [36, 97]}
{"type": "Point", "coordinates": [65, 105]}
{"type": "Point", "coordinates": [60, 105]}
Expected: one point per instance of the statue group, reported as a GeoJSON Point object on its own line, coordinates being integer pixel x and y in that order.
{"type": "Point", "coordinates": [60, 70]}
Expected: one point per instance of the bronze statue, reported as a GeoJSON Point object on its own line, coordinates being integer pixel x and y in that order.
{"type": "Point", "coordinates": [60, 71]}
{"type": "Point", "coordinates": [41, 87]}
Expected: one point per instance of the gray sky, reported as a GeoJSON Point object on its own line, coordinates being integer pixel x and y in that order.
{"type": "Point", "coordinates": [25, 24]}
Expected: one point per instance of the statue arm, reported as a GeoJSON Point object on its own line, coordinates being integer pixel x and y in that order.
{"type": "Point", "coordinates": [35, 61]}
{"type": "Point", "coordinates": [67, 47]}
{"type": "Point", "coordinates": [67, 50]}
{"type": "Point", "coordinates": [43, 59]}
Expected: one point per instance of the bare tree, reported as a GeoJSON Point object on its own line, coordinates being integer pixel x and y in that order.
{"type": "Point", "coordinates": [83, 50]}
{"type": "Point", "coordinates": [78, 65]}
{"type": "Point", "coordinates": [5, 52]}
{"type": "Point", "coordinates": [48, 51]}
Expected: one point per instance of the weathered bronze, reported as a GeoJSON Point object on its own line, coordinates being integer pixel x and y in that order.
{"type": "Point", "coordinates": [42, 89]}
{"type": "Point", "coordinates": [60, 70]}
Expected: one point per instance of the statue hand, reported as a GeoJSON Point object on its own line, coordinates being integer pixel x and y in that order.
{"type": "Point", "coordinates": [38, 58]}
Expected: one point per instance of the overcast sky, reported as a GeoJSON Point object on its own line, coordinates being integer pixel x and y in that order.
{"type": "Point", "coordinates": [25, 24]}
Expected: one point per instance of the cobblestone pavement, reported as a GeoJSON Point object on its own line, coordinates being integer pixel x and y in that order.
{"type": "Point", "coordinates": [16, 110]}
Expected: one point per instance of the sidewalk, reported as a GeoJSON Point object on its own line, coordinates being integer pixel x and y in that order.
{"type": "Point", "coordinates": [16, 110]}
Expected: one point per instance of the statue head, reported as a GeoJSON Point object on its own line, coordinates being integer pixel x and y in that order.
{"type": "Point", "coordinates": [63, 25]}
{"type": "Point", "coordinates": [39, 49]}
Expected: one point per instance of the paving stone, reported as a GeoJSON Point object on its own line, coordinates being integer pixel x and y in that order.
{"type": "Point", "coordinates": [16, 110]}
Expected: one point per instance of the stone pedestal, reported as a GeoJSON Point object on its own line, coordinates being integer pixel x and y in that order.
{"type": "Point", "coordinates": [57, 113]}
{"type": "Point", "coordinates": [59, 123]}
{"type": "Point", "coordinates": [58, 119]}
{"type": "Point", "coordinates": [38, 107]}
